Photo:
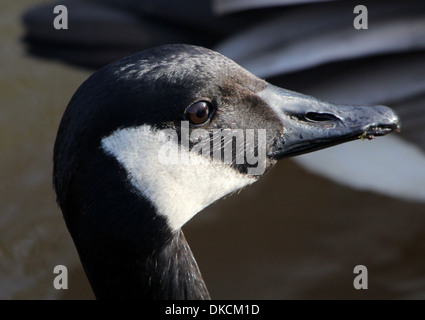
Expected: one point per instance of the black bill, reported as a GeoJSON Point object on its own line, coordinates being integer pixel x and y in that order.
{"type": "Point", "coordinates": [310, 124]}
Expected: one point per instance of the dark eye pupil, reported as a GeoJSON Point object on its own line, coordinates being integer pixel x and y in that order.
{"type": "Point", "coordinates": [198, 112]}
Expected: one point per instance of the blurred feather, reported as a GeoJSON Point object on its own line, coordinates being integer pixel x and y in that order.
{"type": "Point", "coordinates": [103, 31]}
{"type": "Point", "coordinates": [287, 43]}
{"type": "Point", "coordinates": [231, 6]}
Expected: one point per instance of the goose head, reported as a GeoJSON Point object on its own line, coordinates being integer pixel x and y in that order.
{"type": "Point", "coordinates": [150, 140]}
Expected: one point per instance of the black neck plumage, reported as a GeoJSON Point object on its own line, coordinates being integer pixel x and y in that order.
{"type": "Point", "coordinates": [175, 273]}
{"type": "Point", "coordinates": [169, 273]}
{"type": "Point", "coordinates": [127, 249]}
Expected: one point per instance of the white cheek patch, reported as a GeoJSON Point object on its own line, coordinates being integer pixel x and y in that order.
{"type": "Point", "coordinates": [178, 191]}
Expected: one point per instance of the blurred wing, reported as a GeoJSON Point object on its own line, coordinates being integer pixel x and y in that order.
{"type": "Point", "coordinates": [308, 36]}
{"type": "Point", "coordinates": [233, 6]}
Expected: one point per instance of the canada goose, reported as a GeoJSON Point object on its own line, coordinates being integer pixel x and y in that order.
{"type": "Point", "coordinates": [124, 206]}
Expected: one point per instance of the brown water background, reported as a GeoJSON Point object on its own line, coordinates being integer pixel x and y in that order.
{"type": "Point", "coordinates": [293, 235]}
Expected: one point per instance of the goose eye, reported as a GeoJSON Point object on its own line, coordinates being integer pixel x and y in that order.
{"type": "Point", "coordinates": [199, 112]}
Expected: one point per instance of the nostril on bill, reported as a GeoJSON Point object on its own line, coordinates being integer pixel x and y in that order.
{"type": "Point", "coordinates": [320, 117]}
